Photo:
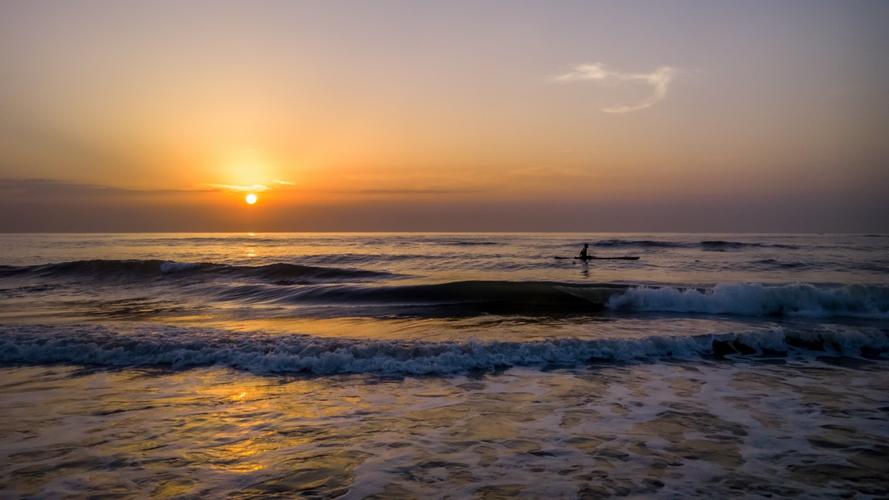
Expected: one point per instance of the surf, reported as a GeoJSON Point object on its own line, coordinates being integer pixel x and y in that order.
{"type": "Point", "coordinates": [179, 348]}
{"type": "Point", "coordinates": [753, 299]}
{"type": "Point", "coordinates": [555, 298]}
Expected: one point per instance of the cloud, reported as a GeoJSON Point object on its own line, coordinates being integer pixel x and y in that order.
{"type": "Point", "coordinates": [659, 80]}
{"type": "Point", "coordinates": [551, 171]}
{"type": "Point", "coordinates": [36, 189]}
{"type": "Point", "coordinates": [418, 191]}
{"type": "Point", "coordinates": [252, 188]}
{"type": "Point", "coordinates": [39, 187]}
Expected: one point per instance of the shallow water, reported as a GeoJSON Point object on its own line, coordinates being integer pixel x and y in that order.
{"type": "Point", "coordinates": [443, 365]}
{"type": "Point", "coordinates": [671, 429]}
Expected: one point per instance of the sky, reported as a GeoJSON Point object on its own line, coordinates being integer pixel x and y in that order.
{"type": "Point", "coordinates": [755, 116]}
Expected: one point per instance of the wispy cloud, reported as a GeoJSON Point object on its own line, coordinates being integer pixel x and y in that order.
{"type": "Point", "coordinates": [53, 189]}
{"type": "Point", "coordinates": [550, 171]}
{"type": "Point", "coordinates": [659, 80]}
{"type": "Point", "coordinates": [422, 191]}
{"type": "Point", "coordinates": [252, 188]}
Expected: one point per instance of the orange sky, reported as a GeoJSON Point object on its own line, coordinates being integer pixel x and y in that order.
{"type": "Point", "coordinates": [401, 115]}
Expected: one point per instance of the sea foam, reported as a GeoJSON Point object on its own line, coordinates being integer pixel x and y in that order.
{"type": "Point", "coordinates": [752, 299]}
{"type": "Point", "coordinates": [185, 347]}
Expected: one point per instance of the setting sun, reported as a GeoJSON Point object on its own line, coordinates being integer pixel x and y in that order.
{"type": "Point", "coordinates": [251, 198]}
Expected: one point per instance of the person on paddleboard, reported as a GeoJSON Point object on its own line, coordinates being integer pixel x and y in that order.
{"type": "Point", "coordinates": [583, 252]}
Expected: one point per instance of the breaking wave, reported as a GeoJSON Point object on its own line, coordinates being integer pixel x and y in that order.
{"type": "Point", "coordinates": [181, 348]}
{"type": "Point", "coordinates": [359, 291]}
{"type": "Point", "coordinates": [750, 299]}
{"type": "Point", "coordinates": [531, 297]}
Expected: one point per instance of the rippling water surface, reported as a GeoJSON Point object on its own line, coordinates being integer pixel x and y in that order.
{"type": "Point", "coordinates": [444, 364]}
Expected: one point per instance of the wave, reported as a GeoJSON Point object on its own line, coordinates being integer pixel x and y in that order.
{"type": "Point", "coordinates": [711, 245]}
{"type": "Point", "coordinates": [443, 299]}
{"type": "Point", "coordinates": [751, 299]}
{"type": "Point", "coordinates": [182, 348]}
{"type": "Point", "coordinates": [467, 243]}
{"type": "Point", "coordinates": [774, 263]}
{"type": "Point", "coordinates": [357, 291]}
{"type": "Point", "coordinates": [637, 243]}
{"type": "Point", "coordinates": [128, 270]}
{"type": "Point", "coordinates": [523, 298]}
{"type": "Point", "coordinates": [379, 258]}
{"type": "Point", "coordinates": [732, 245]}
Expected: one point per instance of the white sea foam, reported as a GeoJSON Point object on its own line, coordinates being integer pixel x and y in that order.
{"type": "Point", "coordinates": [752, 299]}
{"type": "Point", "coordinates": [179, 347]}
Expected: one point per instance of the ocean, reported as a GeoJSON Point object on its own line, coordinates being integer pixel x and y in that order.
{"type": "Point", "coordinates": [444, 365]}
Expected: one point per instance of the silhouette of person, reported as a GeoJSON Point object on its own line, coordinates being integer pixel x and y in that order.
{"type": "Point", "coordinates": [583, 253]}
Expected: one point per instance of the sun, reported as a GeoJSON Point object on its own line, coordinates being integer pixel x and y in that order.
{"type": "Point", "coordinates": [251, 198]}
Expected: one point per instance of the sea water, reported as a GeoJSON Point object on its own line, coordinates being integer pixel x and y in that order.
{"type": "Point", "coordinates": [444, 365]}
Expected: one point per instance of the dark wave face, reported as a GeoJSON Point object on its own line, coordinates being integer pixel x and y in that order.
{"type": "Point", "coordinates": [547, 298]}
{"type": "Point", "coordinates": [436, 300]}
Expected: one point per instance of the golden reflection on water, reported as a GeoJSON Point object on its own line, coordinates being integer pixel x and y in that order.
{"type": "Point", "coordinates": [611, 430]}
{"type": "Point", "coordinates": [489, 327]}
{"type": "Point", "coordinates": [245, 426]}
